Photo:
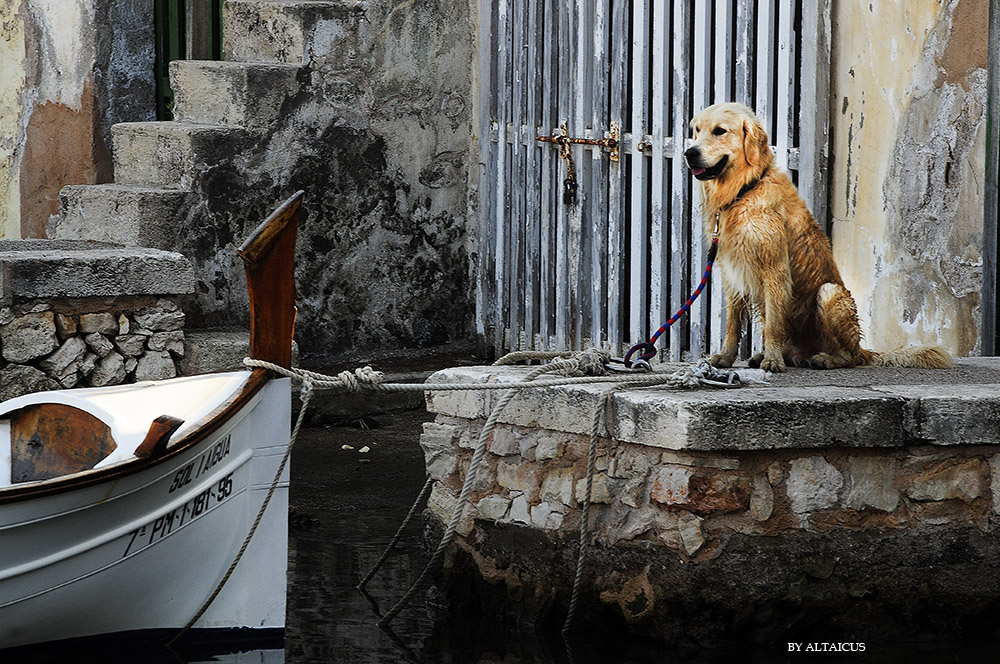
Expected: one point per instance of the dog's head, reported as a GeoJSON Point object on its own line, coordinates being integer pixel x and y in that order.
{"type": "Point", "coordinates": [729, 147]}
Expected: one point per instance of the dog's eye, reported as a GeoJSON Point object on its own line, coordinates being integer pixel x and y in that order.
{"type": "Point", "coordinates": [719, 131]}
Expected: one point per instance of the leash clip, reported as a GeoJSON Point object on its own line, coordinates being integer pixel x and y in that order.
{"type": "Point", "coordinates": [648, 353]}
{"type": "Point", "coordinates": [619, 365]}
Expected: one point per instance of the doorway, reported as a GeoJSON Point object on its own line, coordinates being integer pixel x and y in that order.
{"type": "Point", "coordinates": [185, 30]}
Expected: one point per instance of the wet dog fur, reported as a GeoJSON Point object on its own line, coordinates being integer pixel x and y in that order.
{"type": "Point", "coordinates": [774, 258]}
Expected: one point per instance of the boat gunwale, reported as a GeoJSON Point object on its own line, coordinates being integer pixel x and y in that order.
{"type": "Point", "coordinates": [211, 423]}
{"type": "Point", "coordinates": [268, 256]}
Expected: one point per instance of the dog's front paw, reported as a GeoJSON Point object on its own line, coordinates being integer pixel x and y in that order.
{"type": "Point", "coordinates": [773, 364]}
{"type": "Point", "coordinates": [754, 362]}
{"type": "Point", "coordinates": [722, 360]}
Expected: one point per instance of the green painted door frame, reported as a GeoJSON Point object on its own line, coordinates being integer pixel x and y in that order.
{"type": "Point", "coordinates": [185, 30]}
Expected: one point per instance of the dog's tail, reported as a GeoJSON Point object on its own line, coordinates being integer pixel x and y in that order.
{"type": "Point", "coordinates": [914, 357]}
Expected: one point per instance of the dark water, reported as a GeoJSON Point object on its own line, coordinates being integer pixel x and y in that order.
{"type": "Point", "coordinates": [346, 505]}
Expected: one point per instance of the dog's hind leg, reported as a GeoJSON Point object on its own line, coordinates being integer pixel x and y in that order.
{"type": "Point", "coordinates": [840, 330]}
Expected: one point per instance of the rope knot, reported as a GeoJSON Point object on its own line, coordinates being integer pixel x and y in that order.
{"type": "Point", "coordinates": [593, 362]}
{"type": "Point", "coordinates": [306, 391]}
{"type": "Point", "coordinates": [582, 363]}
{"type": "Point", "coordinates": [365, 377]}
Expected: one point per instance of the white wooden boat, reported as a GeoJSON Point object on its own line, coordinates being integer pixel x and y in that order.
{"type": "Point", "coordinates": [122, 508]}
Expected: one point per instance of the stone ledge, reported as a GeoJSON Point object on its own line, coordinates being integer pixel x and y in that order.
{"type": "Point", "coordinates": [32, 269]}
{"type": "Point", "coordinates": [864, 407]}
{"type": "Point", "coordinates": [844, 491]}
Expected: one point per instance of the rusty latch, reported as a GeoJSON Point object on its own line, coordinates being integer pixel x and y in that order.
{"type": "Point", "coordinates": [564, 141]}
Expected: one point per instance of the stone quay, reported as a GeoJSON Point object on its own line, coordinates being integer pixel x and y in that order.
{"type": "Point", "coordinates": [854, 503]}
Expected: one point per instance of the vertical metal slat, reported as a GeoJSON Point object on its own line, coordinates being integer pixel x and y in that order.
{"type": "Point", "coordinates": [615, 261]}
{"type": "Point", "coordinates": [815, 125]}
{"type": "Point", "coordinates": [680, 220]}
{"type": "Point", "coordinates": [701, 323]}
{"type": "Point", "coordinates": [533, 203]}
{"type": "Point", "coordinates": [659, 186]}
{"type": "Point", "coordinates": [785, 83]}
{"type": "Point", "coordinates": [550, 169]}
{"type": "Point", "coordinates": [597, 225]}
{"type": "Point", "coordinates": [564, 303]}
{"type": "Point", "coordinates": [638, 199]}
{"type": "Point", "coordinates": [516, 193]}
{"type": "Point", "coordinates": [485, 286]}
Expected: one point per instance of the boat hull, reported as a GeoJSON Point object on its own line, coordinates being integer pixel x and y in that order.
{"type": "Point", "coordinates": [144, 550]}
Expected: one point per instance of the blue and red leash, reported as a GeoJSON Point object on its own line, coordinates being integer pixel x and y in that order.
{"type": "Point", "coordinates": [648, 348]}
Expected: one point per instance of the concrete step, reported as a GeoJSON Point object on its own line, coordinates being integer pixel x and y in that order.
{"type": "Point", "coordinates": [207, 351]}
{"type": "Point", "coordinates": [129, 215]}
{"type": "Point", "coordinates": [73, 269]}
{"type": "Point", "coordinates": [248, 95]}
{"type": "Point", "coordinates": [210, 350]}
{"type": "Point", "coordinates": [171, 154]}
{"type": "Point", "coordinates": [290, 31]}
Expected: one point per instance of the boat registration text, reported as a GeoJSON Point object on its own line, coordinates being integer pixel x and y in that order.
{"type": "Point", "coordinates": [166, 523]}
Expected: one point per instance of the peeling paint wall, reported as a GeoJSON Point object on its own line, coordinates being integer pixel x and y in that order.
{"type": "Point", "coordinates": [70, 69]}
{"type": "Point", "coordinates": [378, 136]}
{"type": "Point", "coordinates": [908, 108]}
{"type": "Point", "coordinates": [12, 84]}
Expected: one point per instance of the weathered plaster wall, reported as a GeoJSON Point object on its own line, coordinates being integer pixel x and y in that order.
{"type": "Point", "coordinates": [71, 69]}
{"type": "Point", "coordinates": [377, 134]}
{"type": "Point", "coordinates": [12, 82]}
{"type": "Point", "coordinates": [908, 96]}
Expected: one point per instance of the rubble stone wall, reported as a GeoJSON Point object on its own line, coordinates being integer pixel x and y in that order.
{"type": "Point", "coordinates": [707, 547]}
{"type": "Point", "coordinates": [856, 504]}
{"type": "Point", "coordinates": [49, 344]}
{"type": "Point", "coordinates": [691, 502]}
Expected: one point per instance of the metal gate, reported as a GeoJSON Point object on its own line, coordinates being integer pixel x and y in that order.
{"type": "Point", "coordinates": [610, 267]}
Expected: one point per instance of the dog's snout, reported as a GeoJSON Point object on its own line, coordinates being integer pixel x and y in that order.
{"type": "Point", "coordinates": [692, 156]}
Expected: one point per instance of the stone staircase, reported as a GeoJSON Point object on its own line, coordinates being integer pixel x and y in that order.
{"type": "Point", "coordinates": [179, 185]}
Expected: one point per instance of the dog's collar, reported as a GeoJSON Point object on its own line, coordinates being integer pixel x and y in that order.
{"type": "Point", "coordinates": [747, 188]}
{"type": "Point", "coordinates": [744, 190]}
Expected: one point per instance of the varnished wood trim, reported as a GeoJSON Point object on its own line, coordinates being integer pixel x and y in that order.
{"type": "Point", "coordinates": [155, 442]}
{"type": "Point", "coordinates": [269, 259]}
{"type": "Point", "coordinates": [212, 422]}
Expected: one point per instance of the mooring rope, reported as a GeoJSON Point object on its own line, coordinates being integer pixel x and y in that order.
{"type": "Point", "coordinates": [470, 480]}
{"type": "Point", "coordinates": [595, 432]}
{"type": "Point", "coordinates": [305, 395]}
{"type": "Point", "coordinates": [424, 492]}
{"type": "Point", "coordinates": [366, 378]}
{"type": "Point", "coordinates": [578, 368]}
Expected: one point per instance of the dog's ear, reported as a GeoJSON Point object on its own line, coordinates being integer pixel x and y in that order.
{"type": "Point", "coordinates": [755, 148]}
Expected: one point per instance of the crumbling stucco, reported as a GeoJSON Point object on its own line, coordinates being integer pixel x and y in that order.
{"type": "Point", "coordinates": [909, 100]}
{"type": "Point", "coordinates": [12, 82]}
{"type": "Point", "coordinates": [69, 69]}
{"type": "Point", "coordinates": [376, 132]}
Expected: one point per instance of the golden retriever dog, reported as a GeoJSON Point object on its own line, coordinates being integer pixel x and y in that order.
{"type": "Point", "coordinates": [773, 256]}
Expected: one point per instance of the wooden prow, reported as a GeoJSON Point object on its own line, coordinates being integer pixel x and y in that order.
{"type": "Point", "coordinates": [269, 259]}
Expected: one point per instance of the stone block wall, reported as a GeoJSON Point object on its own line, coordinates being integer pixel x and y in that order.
{"type": "Point", "coordinates": [48, 344]}
{"type": "Point", "coordinates": [856, 504]}
{"type": "Point", "coordinates": [692, 502]}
